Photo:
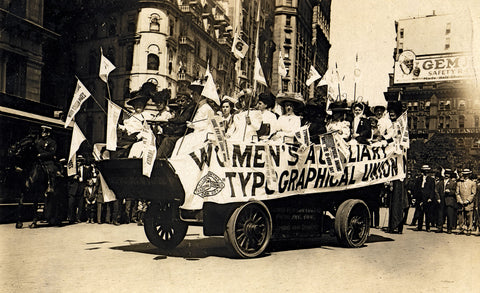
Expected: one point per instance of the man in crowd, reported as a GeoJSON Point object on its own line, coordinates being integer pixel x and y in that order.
{"type": "Point", "coordinates": [425, 196]}
{"type": "Point", "coordinates": [450, 183]}
{"type": "Point", "coordinates": [466, 190]}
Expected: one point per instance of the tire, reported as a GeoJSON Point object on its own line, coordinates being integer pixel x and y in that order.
{"type": "Point", "coordinates": [249, 230]}
{"type": "Point", "coordinates": [163, 226]}
{"type": "Point", "coordinates": [352, 223]}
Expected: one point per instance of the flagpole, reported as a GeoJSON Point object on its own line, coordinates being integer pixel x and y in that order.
{"type": "Point", "coordinates": [101, 108]}
{"type": "Point", "coordinates": [338, 82]}
{"type": "Point", "coordinates": [186, 129]}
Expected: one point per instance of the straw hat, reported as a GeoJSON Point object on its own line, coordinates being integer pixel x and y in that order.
{"type": "Point", "coordinates": [295, 98]}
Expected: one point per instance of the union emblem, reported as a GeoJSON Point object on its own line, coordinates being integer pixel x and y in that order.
{"type": "Point", "coordinates": [209, 185]}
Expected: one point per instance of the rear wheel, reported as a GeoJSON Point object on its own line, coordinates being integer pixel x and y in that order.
{"type": "Point", "coordinates": [352, 223]}
{"type": "Point", "coordinates": [249, 229]}
{"type": "Point", "coordinates": [163, 226]}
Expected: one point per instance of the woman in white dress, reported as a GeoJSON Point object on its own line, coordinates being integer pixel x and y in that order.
{"type": "Point", "coordinates": [265, 104]}
{"type": "Point", "coordinates": [288, 123]}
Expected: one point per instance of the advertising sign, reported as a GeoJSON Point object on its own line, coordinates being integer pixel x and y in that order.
{"type": "Point", "coordinates": [428, 68]}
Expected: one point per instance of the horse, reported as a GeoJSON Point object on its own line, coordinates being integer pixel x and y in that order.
{"type": "Point", "coordinates": [30, 176]}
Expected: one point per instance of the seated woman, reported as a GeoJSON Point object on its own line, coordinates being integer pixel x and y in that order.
{"type": "Point", "coordinates": [314, 115]}
{"type": "Point", "coordinates": [337, 122]}
{"type": "Point", "coordinates": [361, 127]}
{"type": "Point", "coordinates": [246, 121]}
{"type": "Point", "coordinates": [289, 122]}
{"type": "Point", "coordinates": [384, 124]}
{"type": "Point", "coordinates": [227, 109]}
{"type": "Point", "coordinates": [265, 104]}
{"type": "Point", "coordinates": [131, 132]}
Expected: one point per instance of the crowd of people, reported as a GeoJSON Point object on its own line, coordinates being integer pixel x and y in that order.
{"type": "Point", "coordinates": [182, 123]}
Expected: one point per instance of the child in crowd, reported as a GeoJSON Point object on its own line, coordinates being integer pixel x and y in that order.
{"type": "Point", "coordinates": [90, 200]}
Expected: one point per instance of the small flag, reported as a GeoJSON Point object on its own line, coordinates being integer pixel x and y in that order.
{"type": "Point", "coordinates": [113, 114]}
{"type": "Point", "coordinates": [239, 47]}
{"type": "Point", "coordinates": [81, 95]}
{"type": "Point", "coordinates": [77, 139]}
{"type": "Point", "coordinates": [312, 76]}
{"type": "Point", "coordinates": [105, 67]}
{"type": "Point", "coordinates": [282, 69]}
{"type": "Point", "coordinates": [210, 90]}
{"type": "Point", "coordinates": [107, 193]}
{"type": "Point", "coordinates": [72, 166]}
{"type": "Point", "coordinates": [258, 73]}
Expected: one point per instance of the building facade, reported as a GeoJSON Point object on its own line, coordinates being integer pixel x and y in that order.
{"type": "Point", "coordinates": [434, 77]}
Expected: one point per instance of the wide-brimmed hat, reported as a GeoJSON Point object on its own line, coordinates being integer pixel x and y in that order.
{"type": "Point", "coordinates": [268, 99]}
{"type": "Point", "coordinates": [161, 97]}
{"type": "Point", "coordinates": [149, 89]}
{"type": "Point", "coordinates": [425, 168]}
{"type": "Point", "coordinates": [197, 85]}
{"type": "Point", "coordinates": [295, 98]}
{"type": "Point", "coordinates": [339, 106]}
{"type": "Point", "coordinates": [466, 171]}
{"type": "Point", "coordinates": [137, 97]}
{"type": "Point", "coordinates": [396, 107]}
{"type": "Point", "coordinates": [229, 99]}
{"type": "Point", "coordinates": [46, 128]}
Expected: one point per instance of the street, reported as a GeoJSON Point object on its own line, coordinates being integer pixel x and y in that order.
{"type": "Point", "coordinates": [107, 258]}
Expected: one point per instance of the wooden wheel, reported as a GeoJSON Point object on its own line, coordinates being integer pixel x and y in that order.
{"type": "Point", "coordinates": [352, 223]}
{"type": "Point", "coordinates": [249, 229]}
{"type": "Point", "coordinates": [163, 226]}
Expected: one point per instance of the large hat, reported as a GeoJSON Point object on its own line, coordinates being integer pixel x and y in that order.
{"type": "Point", "coordinates": [339, 106]}
{"type": "Point", "coordinates": [161, 97]}
{"type": "Point", "coordinates": [197, 85]}
{"type": "Point", "coordinates": [466, 171]}
{"type": "Point", "coordinates": [426, 168]}
{"type": "Point", "coordinates": [149, 89]}
{"type": "Point", "coordinates": [137, 97]}
{"type": "Point", "coordinates": [230, 99]}
{"type": "Point", "coordinates": [268, 99]}
{"type": "Point", "coordinates": [396, 107]}
{"type": "Point", "coordinates": [46, 128]}
{"type": "Point", "coordinates": [295, 98]}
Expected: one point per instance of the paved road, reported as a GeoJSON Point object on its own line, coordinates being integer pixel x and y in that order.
{"type": "Point", "coordinates": [106, 258]}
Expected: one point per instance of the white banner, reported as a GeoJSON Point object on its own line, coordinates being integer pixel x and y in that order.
{"type": "Point", "coordinates": [107, 193]}
{"type": "Point", "coordinates": [206, 177]}
{"type": "Point", "coordinates": [77, 139]}
{"type": "Point", "coordinates": [105, 67]}
{"type": "Point", "coordinates": [149, 152]}
{"type": "Point", "coordinates": [72, 166]}
{"type": "Point", "coordinates": [113, 114]}
{"type": "Point", "coordinates": [81, 95]}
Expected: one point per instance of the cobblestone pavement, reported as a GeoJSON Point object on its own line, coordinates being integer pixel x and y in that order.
{"type": "Point", "coordinates": [106, 258]}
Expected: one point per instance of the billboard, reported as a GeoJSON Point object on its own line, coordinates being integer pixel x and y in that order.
{"type": "Point", "coordinates": [428, 68]}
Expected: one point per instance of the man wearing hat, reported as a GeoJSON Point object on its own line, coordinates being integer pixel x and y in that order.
{"type": "Point", "coordinates": [425, 197]}
{"type": "Point", "coordinates": [46, 147]}
{"type": "Point", "coordinates": [466, 190]}
{"type": "Point", "coordinates": [450, 188]}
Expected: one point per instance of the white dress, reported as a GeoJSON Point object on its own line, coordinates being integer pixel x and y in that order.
{"type": "Point", "coordinates": [239, 126]}
{"type": "Point", "coordinates": [202, 126]}
{"type": "Point", "coordinates": [287, 125]}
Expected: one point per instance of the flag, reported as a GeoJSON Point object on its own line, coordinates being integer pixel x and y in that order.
{"type": "Point", "coordinates": [239, 47]}
{"type": "Point", "coordinates": [258, 73]}
{"type": "Point", "coordinates": [77, 139]}
{"type": "Point", "coordinates": [81, 95]}
{"type": "Point", "coordinates": [113, 114]}
{"type": "Point", "coordinates": [72, 166]}
{"type": "Point", "coordinates": [105, 67]}
{"type": "Point", "coordinates": [282, 69]}
{"type": "Point", "coordinates": [357, 72]}
{"type": "Point", "coordinates": [210, 90]}
{"type": "Point", "coordinates": [107, 193]}
{"type": "Point", "coordinates": [303, 135]}
{"type": "Point", "coordinates": [312, 76]}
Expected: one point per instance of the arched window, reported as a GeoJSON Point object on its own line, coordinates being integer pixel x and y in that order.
{"type": "Point", "coordinates": [155, 23]}
{"type": "Point", "coordinates": [153, 80]}
{"type": "Point", "coordinates": [461, 121]}
{"type": "Point", "coordinates": [153, 62]}
{"type": "Point", "coordinates": [170, 61]}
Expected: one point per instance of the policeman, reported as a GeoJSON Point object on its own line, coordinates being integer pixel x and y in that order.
{"type": "Point", "coordinates": [46, 147]}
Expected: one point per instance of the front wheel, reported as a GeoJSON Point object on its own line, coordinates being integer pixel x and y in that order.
{"type": "Point", "coordinates": [352, 223]}
{"type": "Point", "coordinates": [249, 230]}
{"type": "Point", "coordinates": [163, 226]}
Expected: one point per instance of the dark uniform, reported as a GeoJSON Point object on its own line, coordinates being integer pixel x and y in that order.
{"type": "Point", "coordinates": [46, 148]}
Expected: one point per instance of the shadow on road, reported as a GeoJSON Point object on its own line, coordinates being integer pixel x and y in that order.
{"type": "Point", "coordinates": [195, 249]}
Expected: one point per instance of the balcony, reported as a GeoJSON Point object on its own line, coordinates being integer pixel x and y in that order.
{"type": "Point", "coordinates": [186, 41]}
{"type": "Point", "coordinates": [184, 77]}
{"type": "Point", "coordinates": [172, 41]}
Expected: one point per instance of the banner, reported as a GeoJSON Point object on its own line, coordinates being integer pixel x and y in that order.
{"type": "Point", "coordinates": [72, 166]}
{"type": "Point", "coordinates": [149, 152]}
{"type": "Point", "coordinates": [77, 139]}
{"type": "Point", "coordinates": [239, 47]}
{"type": "Point", "coordinates": [107, 193]}
{"type": "Point", "coordinates": [264, 171]}
{"type": "Point", "coordinates": [81, 95]}
{"type": "Point", "coordinates": [258, 73]}
{"type": "Point", "coordinates": [113, 114]}
{"type": "Point", "coordinates": [210, 90]}
{"type": "Point", "coordinates": [220, 138]}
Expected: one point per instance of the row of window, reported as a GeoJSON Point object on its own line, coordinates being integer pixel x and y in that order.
{"type": "Point", "coordinates": [442, 105]}
{"type": "Point", "coordinates": [444, 122]}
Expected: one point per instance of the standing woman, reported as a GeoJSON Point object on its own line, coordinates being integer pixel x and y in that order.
{"type": "Point", "coordinates": [226, 111]}
{"type": "Point", "coordinates": [266, 102]}
{"type": "Point", "coordinates": [361, 130]}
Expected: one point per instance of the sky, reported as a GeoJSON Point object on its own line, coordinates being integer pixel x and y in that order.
{"type": "Point", "coordinates": [367, 28]}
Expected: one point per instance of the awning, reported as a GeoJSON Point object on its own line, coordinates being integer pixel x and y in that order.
{"type": "Point", "coordinates": [35, 118]}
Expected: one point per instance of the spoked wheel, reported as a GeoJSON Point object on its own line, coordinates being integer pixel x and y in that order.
{"type": "Point", "coordinates": [249, 229]}
{"type": "Point", "coordinates": [163, 226]}
{"type": "Point", "coordinates": [352, 223]}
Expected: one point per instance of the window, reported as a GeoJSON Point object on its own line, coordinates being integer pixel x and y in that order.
{"type": "Point", "coordinates": [15, 75]}
{"type": "Point", "coordinates": [427, 106]}
{"type": "Point", "coordinates": [131, 27]}
{"type": "Point", "coordinates": [288, 20]}
{"type": "Point", "coordinates": [447, 105]}
{"type": "Point", "coordinates": [153, 80]}
{"type": "Point", "coordinates": [447, 122]}
{"type": "Point", "coordinates": [153, 62]}
{"type": "Point", "coordinates": [172, 27]}
{"type": "Point", "coordinates": [409, 106]}
{"type": "Point", "coordinates": [286, 53]}
{"type": "Point", "coordinates": [154, 23]}
{"type": "Point", "coordinates": [288, 41]}
{"type": "Point", "coordinates": [441, 121]}
{"type": "Point", "coordinates": [427, 123]}
{"type": "Point", "coordinates": [441, 105]}
{"type": "Point", "coordinates": [401, 33]}
{"type": "Point", "coordinates": [448, 28]}
{"type": "Point", "coordinates": [461, 121]}
{"type": "Point", "coordinates": [170, 61]}
{"type": "Point", "coordinates": [415, 106]}
{"type": "Point", "coordinates": [285, 85]}
{"type": "Point", "coordinates": [461, 105]}
{"type": "Point", "coordinates": [447, 43]}
{"type": "Point", "coordinates": [476, 143]}
{"type": "Point", "coordinates": [415, 122]}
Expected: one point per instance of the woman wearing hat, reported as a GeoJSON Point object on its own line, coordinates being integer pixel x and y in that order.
{"type": "Point", "coordinates": [337, 123]}
{"type": "Point", "coordinates": [288, 123]}
{"type": "Point", "coordinates": [265, 104]}
{"type": "Point", "coordinates": [384, 124]}
{"type": "Point", "coordinates": [246, 122]}
{"type": "Point", "coordinates": [361, 127]}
